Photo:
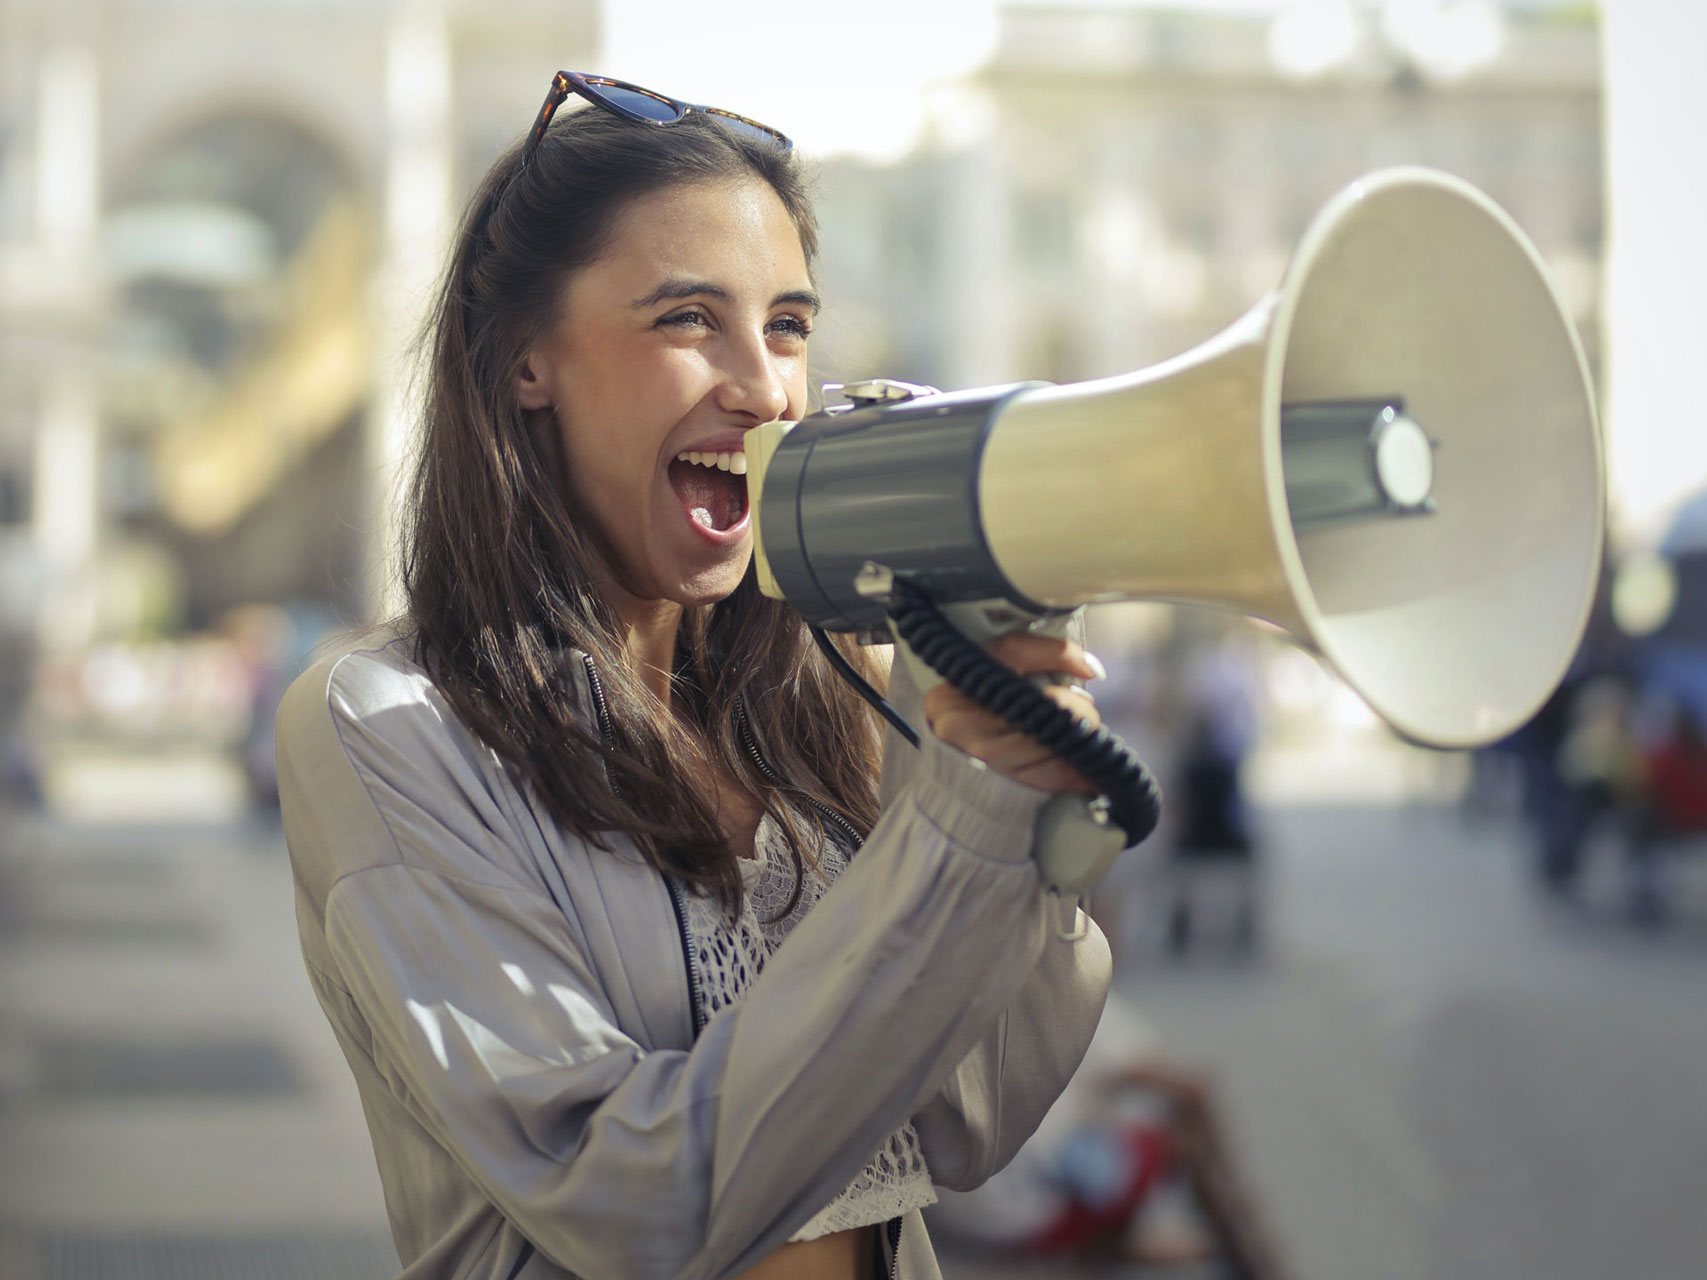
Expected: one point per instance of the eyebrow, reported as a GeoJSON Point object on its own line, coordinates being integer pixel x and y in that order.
{"type": "Point", "coordinates": [676, 290]}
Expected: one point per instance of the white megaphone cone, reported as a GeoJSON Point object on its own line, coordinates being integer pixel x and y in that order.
{"type": "Point", "coordinates": [1395, 457]}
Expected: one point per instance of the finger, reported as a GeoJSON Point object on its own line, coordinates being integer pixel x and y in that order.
{"type": "Point", "coordinates": [1076, 702]}
{"type": "Point", "coordinates": [942, 700]}
{"type": "Point", "coordinates": [970, 728]}
{"type": "Point", "coordinates": [1001, 748]}
{"type": "Point", "coordinates": [977, 731]}
{"type": "Point", "coordinates": [1054, 774]}
{"type": "Point", "coordinates": [1011, 753]}
{"type": "Point", "coordinates": [1030, 654]}
{"type": "Point", "coordinates": [946, 698]}
{"type": "Point", "coordinates": [1019, 758]}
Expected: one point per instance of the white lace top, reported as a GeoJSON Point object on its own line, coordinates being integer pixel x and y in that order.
{"type": "Point", "coordinates": [730, 957]}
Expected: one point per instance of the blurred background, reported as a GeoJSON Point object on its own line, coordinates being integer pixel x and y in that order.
{"type": "Point", "coordinates": [1449, 1002]}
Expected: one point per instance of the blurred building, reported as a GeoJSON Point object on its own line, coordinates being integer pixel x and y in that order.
{"type": "Point", "coordinates": [218, 221]}
{"type": "Point", "coordinates": [1122, 181]}
{"type": "Point", "coordinates": [208, 208]}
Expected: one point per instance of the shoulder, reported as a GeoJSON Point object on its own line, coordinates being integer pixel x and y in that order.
{"type": "Point", "coordinates": [372, 700]}
{"type": "Point", "coordinates": [361, 676]}
{"type": "Point", "coordinates": [367, 702]}
{"type": "Point", "coordinates": [375, 769]}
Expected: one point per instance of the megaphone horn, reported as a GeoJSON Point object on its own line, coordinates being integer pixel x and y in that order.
{"type": "Point", "coordinates": [1394, 456]}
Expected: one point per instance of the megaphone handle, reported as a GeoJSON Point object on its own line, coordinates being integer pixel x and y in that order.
{"type": "Point", "coordinates": [1077, 842]}
{"type": "Point", "coordinates": [1073, 844]}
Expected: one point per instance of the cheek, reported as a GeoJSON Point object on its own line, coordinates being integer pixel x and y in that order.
{"type": "Point", "coordinates": [799, 392]}
{"type": "Point", "coordinates": [614, 431]}
{"type": "Point", "coordinates": [606, 466]}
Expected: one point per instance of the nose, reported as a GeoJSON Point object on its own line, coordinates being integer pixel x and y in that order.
{"type": "Point", "coordinates": [753, 382]}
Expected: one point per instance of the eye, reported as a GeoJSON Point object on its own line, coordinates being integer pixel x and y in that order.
{"type": "Point", "coordinates": [791, 327]}
{"type": "Point", "coordinates": [692, 318]}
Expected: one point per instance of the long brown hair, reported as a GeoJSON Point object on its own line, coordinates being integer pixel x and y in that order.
{"type": "Point", "coordinates": [499, 565]}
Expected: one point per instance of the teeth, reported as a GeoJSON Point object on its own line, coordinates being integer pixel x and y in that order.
{"type": "Point", "coordinates": [735, 463]}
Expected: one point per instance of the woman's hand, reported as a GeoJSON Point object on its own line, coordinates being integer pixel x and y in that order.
{"type": "Point", "coordinates": [962, 723]}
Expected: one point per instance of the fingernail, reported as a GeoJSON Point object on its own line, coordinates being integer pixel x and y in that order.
{"type": "Point", "coordinates": [1095, 664]}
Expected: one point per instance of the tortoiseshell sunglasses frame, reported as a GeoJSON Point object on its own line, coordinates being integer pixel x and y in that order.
{"type": "Point", "coordinates": [565, 83]}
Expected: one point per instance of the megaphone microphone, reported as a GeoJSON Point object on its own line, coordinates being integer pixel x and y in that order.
{"type": "Point", "coordinates": [1394, 457]}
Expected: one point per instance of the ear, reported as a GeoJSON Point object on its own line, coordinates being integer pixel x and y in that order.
{"type": "Point", "coordinates": [531, 391]}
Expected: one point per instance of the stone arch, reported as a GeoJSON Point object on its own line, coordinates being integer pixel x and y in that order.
{"type": "Point", "coordinates": [241, 247]}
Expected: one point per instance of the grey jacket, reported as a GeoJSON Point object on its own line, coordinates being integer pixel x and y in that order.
{"type": "Point", "coordinates": [516, 1007]}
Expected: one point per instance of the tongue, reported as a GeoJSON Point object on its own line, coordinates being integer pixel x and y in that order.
{"type": "Point", "coordinates": [712, 499]}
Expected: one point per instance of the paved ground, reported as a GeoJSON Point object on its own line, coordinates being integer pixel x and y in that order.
{"type": "Point", "coordinates": [171, 1104]}
{"type": "Point", "coordinates": [1438, 1075]}
{"type": "Point", "coordinates": [1433, 1077]}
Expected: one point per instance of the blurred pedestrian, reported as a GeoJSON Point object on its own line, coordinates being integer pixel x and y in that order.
{"type": "Point", "coordinates": [1214, 839]}
{"type": "Point", "coordinates": [1599, 774]}
{"type": "Point", "coordinates": [1548, 807]}
{"type": "Point", "coordinates": [1674, 810]}
{"type": "Point", "coordinates": [267, 645]}
{"type": "Point", "coordinates": [1133, 1139]}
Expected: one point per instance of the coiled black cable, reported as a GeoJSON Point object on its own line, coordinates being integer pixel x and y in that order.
{"type": "Point", "coordinates": [1134, 799]}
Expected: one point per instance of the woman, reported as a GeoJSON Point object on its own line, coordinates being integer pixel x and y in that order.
{"type": "Point", "coordinates": [574, 845]}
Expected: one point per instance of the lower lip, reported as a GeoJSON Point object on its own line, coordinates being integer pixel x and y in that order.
{"type": "Point", "coordinates": [723, 538]}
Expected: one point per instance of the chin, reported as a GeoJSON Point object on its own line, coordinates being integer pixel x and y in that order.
{"type": "Point", "coordinates": [714, 584]}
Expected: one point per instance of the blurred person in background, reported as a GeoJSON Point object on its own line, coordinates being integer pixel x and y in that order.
{"type": "Point", "coordinates": [641, 963]}
{"type": "Point", "coordinates": [1545, 800]}
{"type": "Point", "coordinates": [1599, 770]}
{"type": "Point", "coordinates": [1214, 839]}
{"type": "Point", "coordinates": [1102, 1179]}
{"type": "Point", "coordinates": [265, 637]}
{"type": "Point", "coordinates": [1673, 809]}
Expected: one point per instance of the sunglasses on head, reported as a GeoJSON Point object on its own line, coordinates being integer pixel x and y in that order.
{"type": "Point", "coordinates": [644, 106]}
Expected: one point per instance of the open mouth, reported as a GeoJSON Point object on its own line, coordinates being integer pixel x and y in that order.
{"type": "Point", "coordinates": [712, 488]}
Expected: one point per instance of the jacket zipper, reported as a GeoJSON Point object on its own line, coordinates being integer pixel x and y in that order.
{"type": "Point", "coordinates": [745, 728]}
{"type": "Point", "coordinates": [696, 999]}
{"type": "Point", "coordinates": [893, 1229]}
{"type": "Point", "coordinates": [601, 713]}
{"type": "Point", "coordinates": [678, 902]}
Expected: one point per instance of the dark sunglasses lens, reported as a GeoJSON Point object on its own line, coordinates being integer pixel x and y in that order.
{"type": "Point", "coordinates": [748, 129]}
{"type": "Point", "coordinates": [641, 104]}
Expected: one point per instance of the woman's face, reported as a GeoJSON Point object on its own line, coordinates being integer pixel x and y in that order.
{"type": "Point", "coordinates": [688, 332]}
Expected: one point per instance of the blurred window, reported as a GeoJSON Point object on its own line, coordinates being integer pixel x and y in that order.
{"type": "Point", "coordinates": [14, 490]}
{"type": "Point", "coordinates": [14, 205]}
{"type": "Point", "coordinates": [16, 470]}
{"type": "Point", "coordinates": [1590, 222]}
{"type": "Point", "coordinates": [1043, 228]}
{"type": "Point", "coordinates": [130, 479]}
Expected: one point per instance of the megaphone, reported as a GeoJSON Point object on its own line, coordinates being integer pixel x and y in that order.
{"type": "Point", "coordinates": [1394, 457]}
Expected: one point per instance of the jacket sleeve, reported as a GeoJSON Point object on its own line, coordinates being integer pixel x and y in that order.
{"type": "Point", "coordinates": [490, 1025]}
{"type": "Point", "coordinates": [998, 1094]}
